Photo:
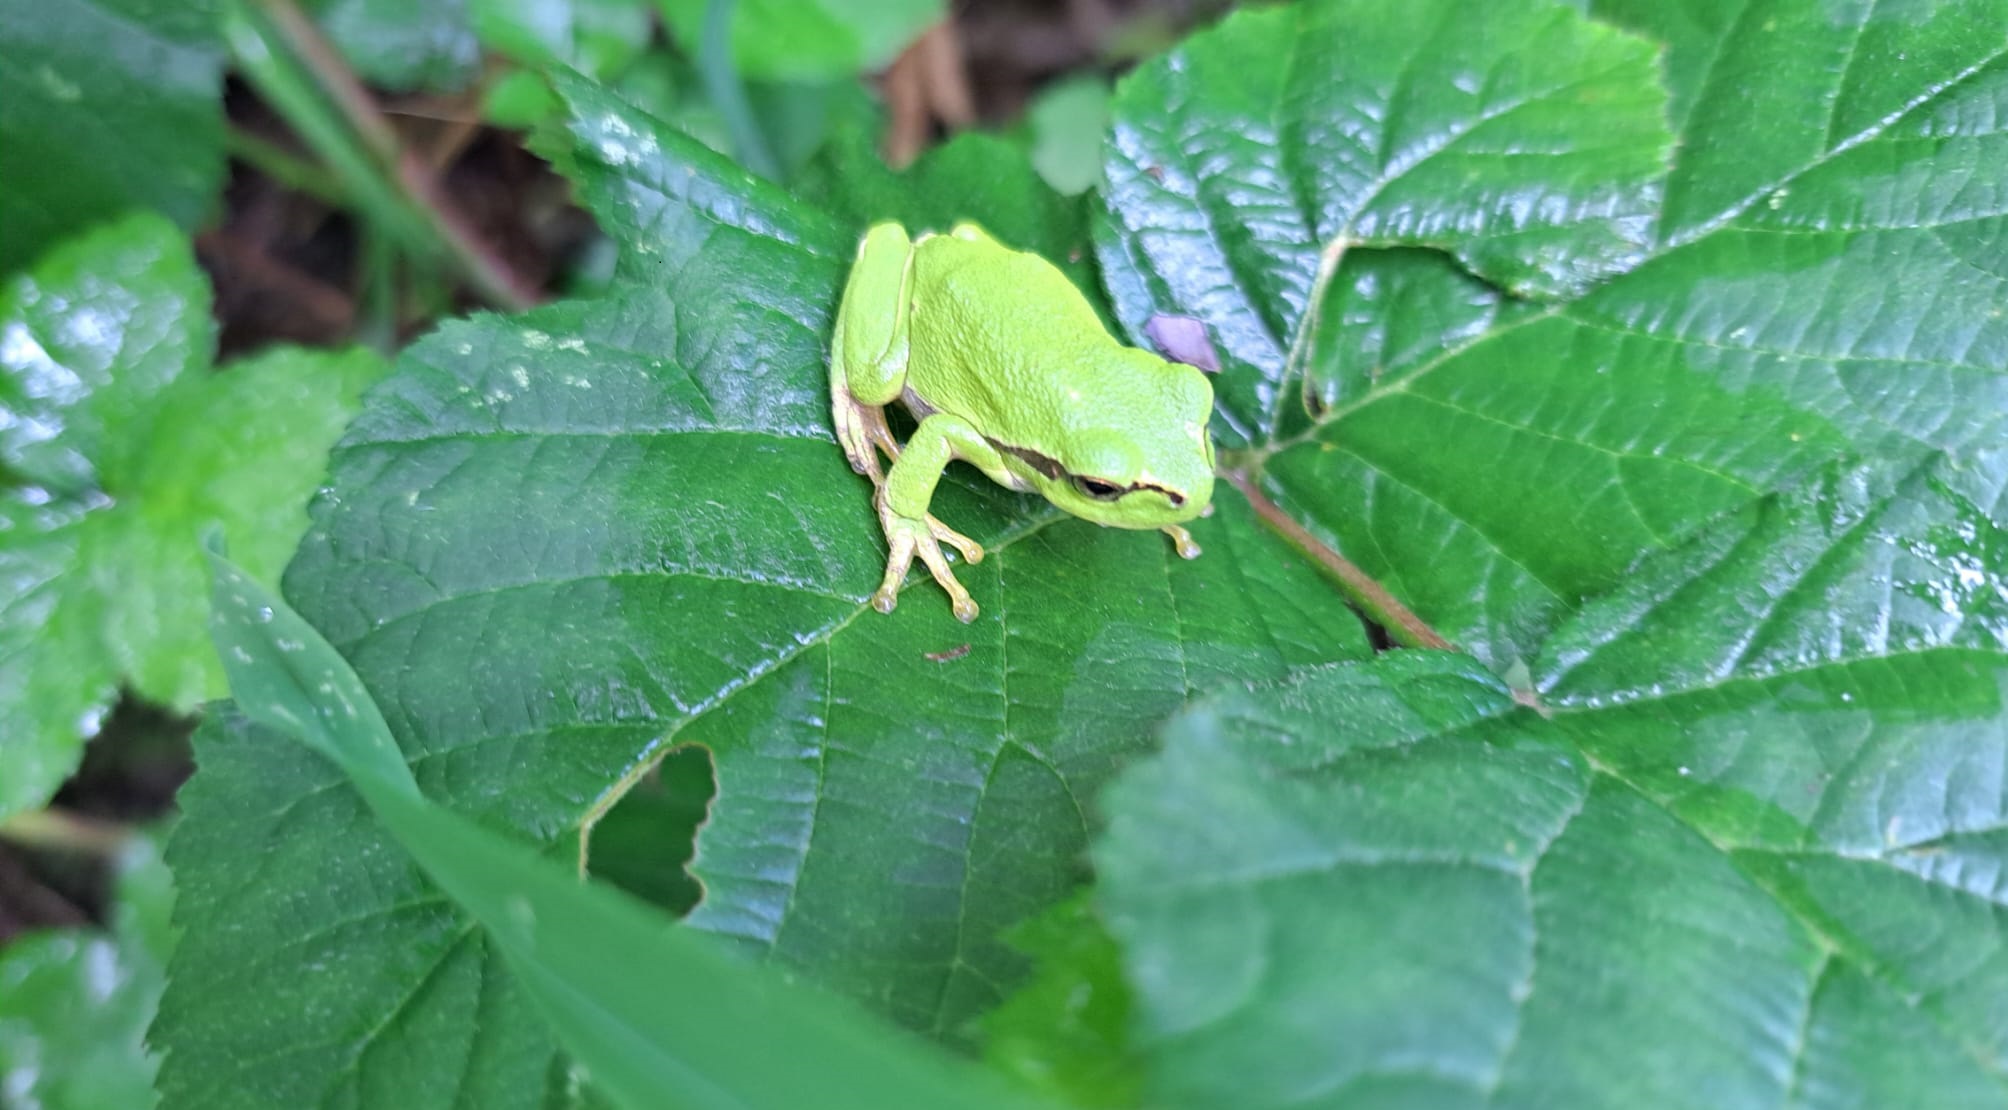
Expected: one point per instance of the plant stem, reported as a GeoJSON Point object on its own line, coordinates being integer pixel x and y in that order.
{"type": "Point", "coordinates": [65, 831]}
{"type": "Point", "coordinates": [285, 167]}
{"type": "Point", "coordinates": [1374, 598]}
{"type": "Point", "coordinates": [334, 112]}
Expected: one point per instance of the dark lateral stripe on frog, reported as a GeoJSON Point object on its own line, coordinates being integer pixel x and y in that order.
{"type": "Point", "coordinates": [1044, 464]}
{"type": "Point", "coordinates": [1050, 467]}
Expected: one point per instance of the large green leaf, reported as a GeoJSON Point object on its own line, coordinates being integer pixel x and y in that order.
{"type": "Point", "coordinates": [105, 106]}
{"type": "Point", "coordinates": [1741, 77]}
{"type": "Point", "coordinates": [557, 545]}
{"type": "Point", "coordinates": [121, 447]}
{"type": "Point", "coordinates": [615, 982]}
{"type": "Point", "coordinates": [1834, 295]}
{"type": "Point", "coordinates": [1749, 854]}
{"type": "Point", "coordinates": [1524, 140]}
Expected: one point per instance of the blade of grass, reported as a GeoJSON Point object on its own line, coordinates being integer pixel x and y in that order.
{"type": "Point", "coordinates": [285, 57]}
{"type": "Point", "coordinates": [657, 1015]}
{"type": "Point", "coordinates": [285, 167]}
{"type": "Point", "coordinates": [65, 831]}
{"type": "Point", "coordinates": [263, 58]}
{"type": "Point", "coordinates": [720, 74]}
{"type": "Point", "coordinates": [377, 323]}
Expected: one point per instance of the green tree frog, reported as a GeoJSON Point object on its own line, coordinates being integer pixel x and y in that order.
{"type": "Point", "coordinates": [1005, 366]}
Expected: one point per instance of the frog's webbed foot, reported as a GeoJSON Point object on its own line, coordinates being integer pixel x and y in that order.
{"type": "Point", "coordinates": [861, 428]}
{"type": "Point", "coordinates": [1181, 541]}
{"type": "Point", "coordinates": [908, 537]}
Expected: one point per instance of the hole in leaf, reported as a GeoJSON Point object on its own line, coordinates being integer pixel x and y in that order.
{"type": "Point", "coordinates": [644, 844]}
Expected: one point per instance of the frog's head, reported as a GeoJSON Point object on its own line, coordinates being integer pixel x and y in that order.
{"type": "Point", "coordinates": [1144, 460]}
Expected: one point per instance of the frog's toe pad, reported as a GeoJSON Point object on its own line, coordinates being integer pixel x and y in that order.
{"type": "Point", "coordinates": [971, 551]}
{"type": "Point", "coordinates": [909, 537]}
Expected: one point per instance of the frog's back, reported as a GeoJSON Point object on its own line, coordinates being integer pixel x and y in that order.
{"type": "Point", "coordinates": [996, 333]}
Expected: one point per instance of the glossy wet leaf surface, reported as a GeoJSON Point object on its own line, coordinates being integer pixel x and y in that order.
{"type": "Point", "coordinates": [121, 446]}
{"type": "Point", "coordinates": [1843, 296]}
{"type": "Point", "coordinates": [1235, 161]}
{"type": "Point", "coordinates": [1749, 855]}
{"type": "Point", "coordinates": [1717, 482]}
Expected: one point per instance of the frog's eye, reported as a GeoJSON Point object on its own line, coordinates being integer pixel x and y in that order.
{"type": "Point", "coordinates": [1098, 489]}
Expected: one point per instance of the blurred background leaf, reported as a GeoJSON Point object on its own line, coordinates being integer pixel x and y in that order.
{"type": "Point", "coordinates": [1067, 1029]}
{"type": "Point", "coordinates": [1067, 121]}
{"type": "Point", "coordinates": [971, 177]}
{"type": "Point", "coordinates": [122, 446]}
{"type": "Point", "coordinates": [805, 39]}
{"type": "Point", "coordinates": [105, 106]}
{"type": "Point", "coordinates": [74, 1003]}
{"type": "Point", "coordinates": [396, 44]}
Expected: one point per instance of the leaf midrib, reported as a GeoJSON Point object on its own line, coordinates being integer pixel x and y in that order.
{"type": "Point", "coordinates": [1319, 422]}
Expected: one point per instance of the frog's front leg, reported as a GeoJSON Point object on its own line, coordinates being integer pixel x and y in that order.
{"type": "Point", "coordinates": [870, 345]}
{"type": "Point", "coordinates": [902, 506]}
{"type": "Point", "coordinates": [1181, 541]}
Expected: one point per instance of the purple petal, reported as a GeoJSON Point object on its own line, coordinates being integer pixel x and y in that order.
{"type": "Point", "coordinates": [1183, 339]}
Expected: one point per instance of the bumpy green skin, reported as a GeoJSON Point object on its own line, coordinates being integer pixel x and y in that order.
{"type": "Point", "coordinates": [1006, 367]}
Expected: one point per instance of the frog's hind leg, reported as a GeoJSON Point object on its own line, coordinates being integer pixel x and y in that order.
{"type": "Point", "coordinates": [861, 428]}
{"type": "Point", "coordinates": [870, 346]}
